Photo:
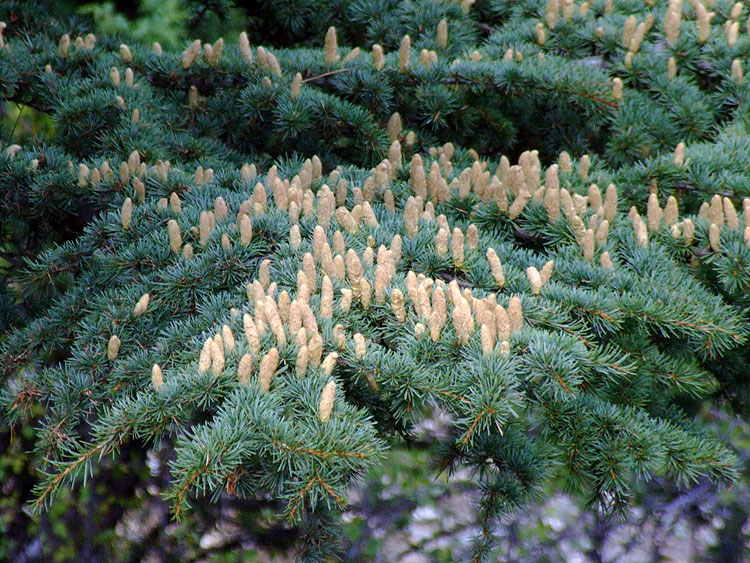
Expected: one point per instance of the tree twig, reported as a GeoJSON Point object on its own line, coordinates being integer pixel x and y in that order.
{"type": "Point", "coordinates": [15, 124]}
{"type": "Point", "coordinates": [327, 74]}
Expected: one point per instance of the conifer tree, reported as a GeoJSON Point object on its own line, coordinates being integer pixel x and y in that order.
{"type": "Point", "coordinates": [284, 256]}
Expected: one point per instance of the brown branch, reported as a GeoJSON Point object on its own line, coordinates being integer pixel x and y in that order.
{"type": "Point", "coordinates": [331, 73]}
{"type": "Point", "coordinates": [707, 328]}
{"type": "Point", "coordinates": [182, 491]}
{"type": "Point", "coordinates": [58, 478]}
{"type": "Point", "coordinates": [307, 488]}
{"type": "Point", "coordinates": [476, 421]}
{"type": "Point", "coordinates": [324, 455]}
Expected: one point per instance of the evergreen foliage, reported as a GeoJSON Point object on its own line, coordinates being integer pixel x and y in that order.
{"type": "Point", "coordinates": [278, 259]}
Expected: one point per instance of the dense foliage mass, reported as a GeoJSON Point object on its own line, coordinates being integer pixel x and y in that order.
{"type": "Point", "coordinates": [277, 259]}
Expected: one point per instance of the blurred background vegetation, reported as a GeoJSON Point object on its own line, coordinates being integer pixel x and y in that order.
{"type": "Point", "coordinates": [400, 512]}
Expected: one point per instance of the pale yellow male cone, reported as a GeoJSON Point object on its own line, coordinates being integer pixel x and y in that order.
{"type": "Point", "coordinates": [326, 401]}
{"type": "Point", "coordinates": [113, 347]}
{"type": "Point", "coordinates": [141, 306]}
{"type": "Point", "coordinates": [157, 379]}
